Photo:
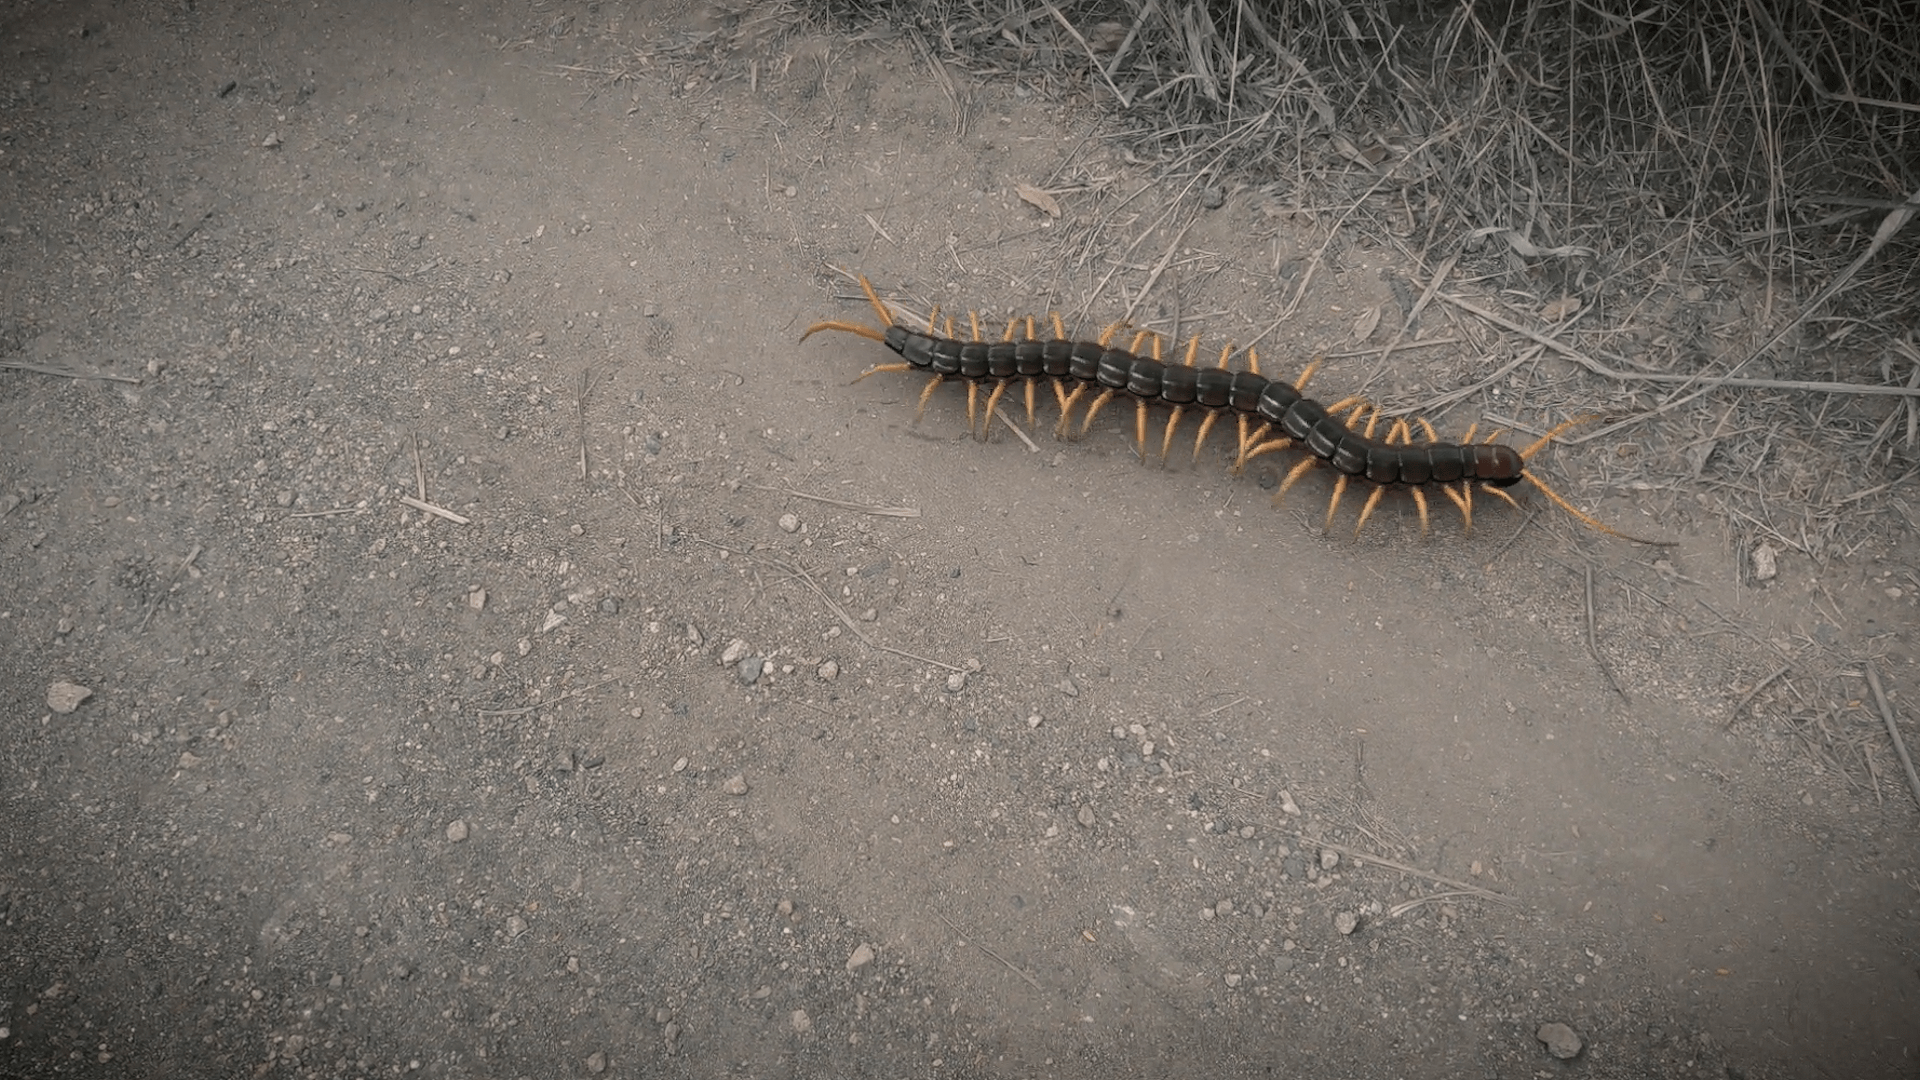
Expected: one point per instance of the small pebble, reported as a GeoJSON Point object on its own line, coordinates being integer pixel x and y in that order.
{"type": "Point", "coordinates": [789, 523]}
{"type": "Point", "coordinates": [672, 1035]}
{"type": "Point", "coordinates": [515, 927]}
{"type": "Point", "coordinates": [1246, 832]}
{"type": "Point", "coordinates": [1766, 562]}
{"type": "Point", "coordinates": [862, 956]}
{"type": "Point", "coordinates": [1346, 922]}
{"type": "Point", "coordinates": [1212, 197]}
{"type": "Point", "coordinates": [477, 599]}
{"type": "Point", "coordinates": [956, 682]}
{"type": "Point", "coordinates": [1223, 909]}
{"type": "Point", "coordinates": [456, 831]}
{"type": "Point", "coordinates": [1233, 979]}
{"type": "Point", "coordinates": [271, 141]}
{"type": "Point", "coordinates": [680, 765]}
{"type": "Point", "coordinates": [802, 1023]}
{"type": "Point", "coordinates": [1329, 858]}
{"type": "Point", "coordinates": [736, 651]}
{"type": "Point", "coordinates": [1146, 749]}
{"type": "Point", "coordinates": [1086, 817]}
{"type": "Point", "coordinates": [1206, 914]}
{"type": "Point", "coordinates": [596, 1063]}
{"type": "Point", "coordinates": [64, 697]}
{"type": "Point", "coordinates": [736, 784]}
{"type": "Point", "coordinates": [1034, 720]}
{"type": "Point", "coordinates": [1562, 1042]}
{"type": "Point", "coordinates": [828, 671]}
{"type": "Point", "coordinates": [750, 670]}
{"type": "Point", "coordinates": [1287, 805]}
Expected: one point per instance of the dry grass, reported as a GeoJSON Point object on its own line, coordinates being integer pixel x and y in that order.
{"type": "Point", "coordinates": [1698, 177]}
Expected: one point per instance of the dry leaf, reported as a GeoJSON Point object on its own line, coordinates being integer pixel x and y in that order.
{"type": "Point", "coordinates": [1560, 309]}
{"type": "Point", "coordinates": [1364, 326]}
{"type": "Point", "coordinates": [1039, 198]}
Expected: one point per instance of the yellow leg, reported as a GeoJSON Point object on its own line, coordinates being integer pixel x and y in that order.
{"type": "Point", "coordinates": [1339, 488]}
{"type": "Point", "coordinates": [1093, 410]}
{"type": "Point", "coordinates": [886, 316]}
{"type": "Point", "coordinates": [1293, 477]}
{"type": "Point", "coordinates": [1306, 373]}
{"type": "Point", "coordinates": [878, 368]}
{"type": "Point", "coordinates": [867, 332]}
{"type": "Point", "coordinates": [1270, 446]}
{"type": "Point", "coordinates": [1206, 425]}
{"type": "Point", "coordinates": [1366, 511]}
{"type": "Point", "coordinates": [1398, 434]}
{"type": "Point", "coordinates": [926, 395]}
{"type": "Point", "coordinates": [1420, 501]}
{"type": "Point", "coordinates": [1064, 428]}
{"type": "Point", "coordinates": [993, 399]}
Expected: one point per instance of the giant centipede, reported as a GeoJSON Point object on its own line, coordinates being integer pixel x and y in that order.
{"type": "Point", "coordinates": [1271, 414]}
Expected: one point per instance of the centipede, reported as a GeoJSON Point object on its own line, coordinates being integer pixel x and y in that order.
{"type": "Point", "coordinates": [1269, 415]}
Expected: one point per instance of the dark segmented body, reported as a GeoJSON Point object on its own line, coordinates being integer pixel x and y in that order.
{"type": "Point", "coordinates": [1300, 418]}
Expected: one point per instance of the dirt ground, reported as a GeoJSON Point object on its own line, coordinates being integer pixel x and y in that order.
{"type": "Point", "coordinates": [741, 726]}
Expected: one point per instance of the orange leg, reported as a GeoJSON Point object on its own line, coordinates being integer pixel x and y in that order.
{"type": "Point", "coordinates": [1340, 485]}
{"type": "Point", "coordinates": [1398, 433]}
{"type": "Point", "coordinates": [1212, 414]}
{"type": "Point", "coordinates": [1173, 421]}
{"type": "Point", "coordinates": [868, 332]}
{"type": "Point", "coordinates": [884, 367]}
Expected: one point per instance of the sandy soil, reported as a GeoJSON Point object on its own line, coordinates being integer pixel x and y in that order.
{"type": "Point", "coordinates": [678, 755]}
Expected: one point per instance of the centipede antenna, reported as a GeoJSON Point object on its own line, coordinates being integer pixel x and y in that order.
{"type": "Point", "coordinates": [1589, 520]}
{"type": "Point", "coordinates": [867, 332]}
{"type": "Point", "coordinates": [1555, 433]}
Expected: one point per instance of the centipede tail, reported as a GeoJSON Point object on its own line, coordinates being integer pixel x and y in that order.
{"type": "Point", "coordinates": [1270, 415]}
